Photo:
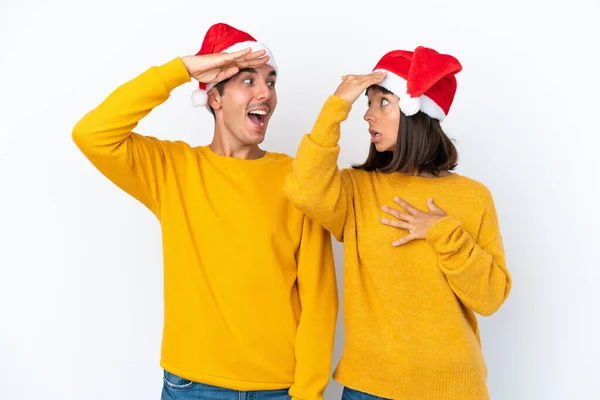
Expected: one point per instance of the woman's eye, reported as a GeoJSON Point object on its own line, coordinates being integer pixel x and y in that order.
{"type": "Point", "coordinates": [384, 102]}
{"type": "Point", "coordinates": [248, 81]}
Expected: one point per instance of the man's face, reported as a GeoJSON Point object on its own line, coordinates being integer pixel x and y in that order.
{"type": "Point", "coordinates": [246, 105]}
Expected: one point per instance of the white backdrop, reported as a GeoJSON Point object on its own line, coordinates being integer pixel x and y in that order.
{"type": "Point", "coordinates": [80, 261]}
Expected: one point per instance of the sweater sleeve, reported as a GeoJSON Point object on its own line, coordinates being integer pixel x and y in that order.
{"type": "Point", "coordinates": [135, 163]}
{"type": "Point", "coordinates": [316, 186]}
{"type": "Point", "coordinates": [317, 289]}
{"type": "Point", "coordinates": [475, 268]}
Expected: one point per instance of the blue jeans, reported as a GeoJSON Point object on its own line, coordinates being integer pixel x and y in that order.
{"type": "Point", "coordinates": [351, 394]}
{"type": "Point", "coordinates": [177, 388]}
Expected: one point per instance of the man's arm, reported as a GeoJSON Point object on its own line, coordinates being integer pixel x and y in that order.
{"type": "Point", "coordinates": [134, 162]}
{"type": "Point", "coordinates": [105, 135]}
{"type": "Point", "coordinates": [317, 287]}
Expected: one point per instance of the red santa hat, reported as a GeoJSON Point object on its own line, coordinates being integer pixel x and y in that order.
{"type": "Point", "coordinates": [423, 80]}
{"type": "Point", "coordinates": [225, 38]}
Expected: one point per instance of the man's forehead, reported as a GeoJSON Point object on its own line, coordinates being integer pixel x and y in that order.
{"type": "Point", "coordinates": [266, 70]}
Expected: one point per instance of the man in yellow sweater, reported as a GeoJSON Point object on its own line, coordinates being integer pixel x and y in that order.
{"type": "Point", "coordinates": [249, 281]}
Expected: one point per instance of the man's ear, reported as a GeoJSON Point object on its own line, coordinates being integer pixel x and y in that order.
{"type": "Point", "coordinates": [214, 98]}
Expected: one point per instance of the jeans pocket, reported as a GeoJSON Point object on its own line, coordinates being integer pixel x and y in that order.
{"type": "Point", "coordinates": [176, 382]}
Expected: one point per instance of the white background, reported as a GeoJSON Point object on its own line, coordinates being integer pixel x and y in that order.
{"type": "Point", "coordinates": [80, 261]}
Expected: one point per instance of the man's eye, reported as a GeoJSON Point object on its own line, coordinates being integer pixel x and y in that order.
{"type": "Point", "coordinates": [248, 81]}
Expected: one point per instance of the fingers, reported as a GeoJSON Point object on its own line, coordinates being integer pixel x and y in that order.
{"type": "Point", "coordinates": [365, 80]}
{"type": "Point", "coordinates": [432, 206]}
{"type": "Point", "coordinates": [227, 73]}
{"type": "Point", "coordinates": [236, 54]}
{"type": "Point", "coordinates": [255, 63]}
{"type": "Point", "coordinates": [379, 75]}
{"type": "Point", "coordinates": [243, 57]}
{"type": "Point", "coordinates": [252, 56]}
{"type": "Point", "coordinates": [408, 238]}
{"type": "Point", "coordinates": [409, 208]}
{"type": "Point", "coordinates": [353, 85]}
{"type": "Point", "coordinates": [374, 78]}
{"type": "Point", "coordinates": [398, 224]}
{"type": "Point", "coordinates": [398, 214]}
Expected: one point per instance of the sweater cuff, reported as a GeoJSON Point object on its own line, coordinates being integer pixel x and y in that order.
{"type": "Point", "coordinates": [440, 232]}
{"type": "Point", "coordinates": [173, 74]}
{"type": "Point", "coordinates": [326, 132]}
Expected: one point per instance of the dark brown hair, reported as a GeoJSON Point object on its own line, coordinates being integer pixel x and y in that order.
{"type": "Point", "coordinates": [422, 146]}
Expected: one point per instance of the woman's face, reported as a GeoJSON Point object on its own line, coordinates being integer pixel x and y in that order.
{"type": "Point", "coordinates": [383, 116]}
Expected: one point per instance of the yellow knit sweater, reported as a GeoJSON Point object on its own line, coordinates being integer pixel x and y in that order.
{"type": "Point", "coordinates": [249, 281]}
{"type": "Point", "coordinates": [409, 312]}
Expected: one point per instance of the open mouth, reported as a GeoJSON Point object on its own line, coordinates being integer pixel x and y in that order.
{"type": "Point", "coordinates": [374, 135]}
{"type": "Point", "coordinates": [258, 117]}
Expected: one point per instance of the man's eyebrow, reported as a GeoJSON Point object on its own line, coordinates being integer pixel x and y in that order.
{"type": "Point", "coordinates": [253, 71]}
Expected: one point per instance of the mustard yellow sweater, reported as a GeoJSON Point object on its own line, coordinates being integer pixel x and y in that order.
{"type": "Point", "coordinates": [409, 312]}
{"type": "Point", "coordinates": [249, 281]}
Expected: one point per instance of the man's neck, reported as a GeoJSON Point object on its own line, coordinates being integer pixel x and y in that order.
{"type": "Point", "coordinates": [236, 150]}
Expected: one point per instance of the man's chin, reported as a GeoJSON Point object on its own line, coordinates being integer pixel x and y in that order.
{"type": "Point", "coordinates": [256, 136]}
{"type": "Point", "coordinates": [253, 139]}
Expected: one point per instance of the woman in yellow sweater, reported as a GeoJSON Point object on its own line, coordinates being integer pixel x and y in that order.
{"type": "Point", "coordinates": [423, 251]}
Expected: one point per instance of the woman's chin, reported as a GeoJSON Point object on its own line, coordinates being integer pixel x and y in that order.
{"type": "Point", "coordinates": [381, 147]}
